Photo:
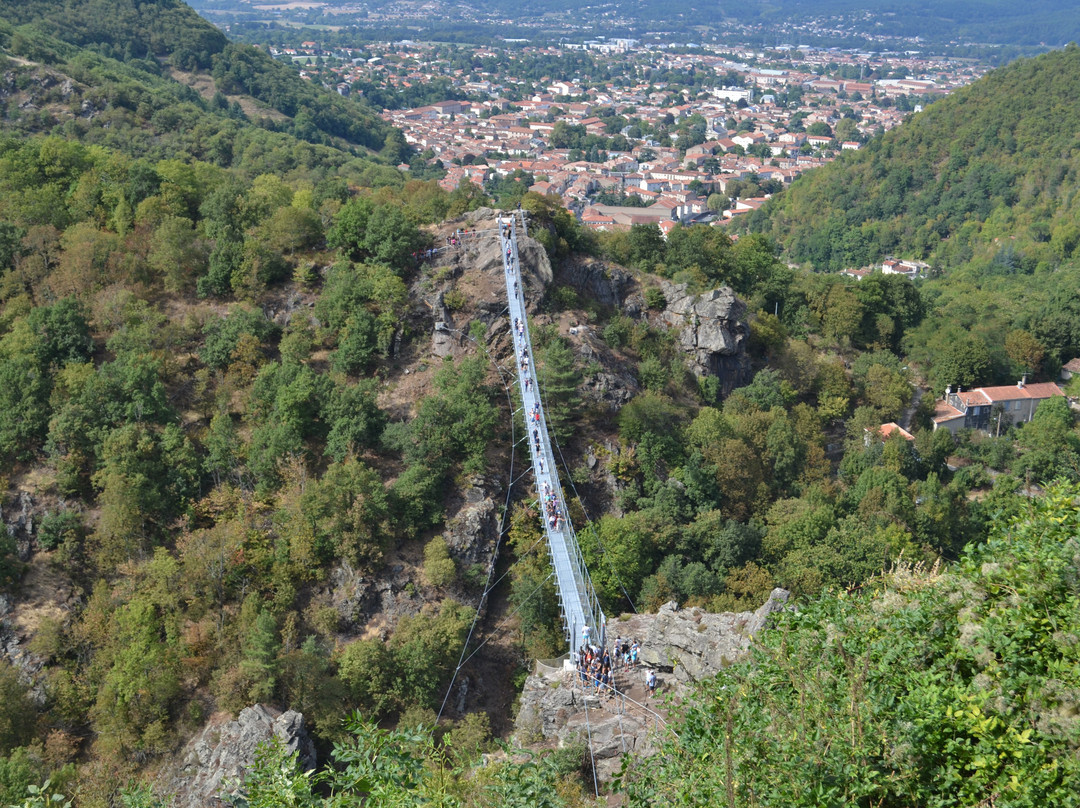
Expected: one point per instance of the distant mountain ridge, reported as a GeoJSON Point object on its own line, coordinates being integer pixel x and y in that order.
{"type": "Point", "coordinates": [995, 160]}
{"type": "Point", "coordinates": [1049, 23]}
{"type": "Point", "coordinates": [135, 28]}
{"type": "Point", "coordinates": [123, 58]}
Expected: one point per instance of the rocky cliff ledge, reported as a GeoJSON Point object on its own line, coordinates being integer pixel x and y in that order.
{"type": "Point", "coordinates": [711, 326]}
{"type": "Point", "coordinates": [215, 761]}
{"type": "Point", "coordinates": [683, 645]}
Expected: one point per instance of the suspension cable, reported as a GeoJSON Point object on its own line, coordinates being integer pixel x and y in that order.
{"type": "Point", "coordinates": [502, 529]}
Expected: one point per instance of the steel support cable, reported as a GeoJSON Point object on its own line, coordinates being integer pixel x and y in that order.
{"type": "Point", "coordinates": [521, 558]}
{"type": "Point", "coordinates": [502, 528]}
{"type": "Point", "coordinates": [592, 755]}
{"type": "Point", "coordinates": [509, 617]}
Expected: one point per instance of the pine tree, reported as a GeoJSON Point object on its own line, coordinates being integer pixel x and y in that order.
{"type": "Point", "coordinates": [559, 380]}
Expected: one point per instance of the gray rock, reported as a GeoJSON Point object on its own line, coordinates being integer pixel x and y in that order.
{"type": "Point", "coordinates": [693, 643]}
{"type": "Point", "coordinates": [777, 602]}
{"type": "Point", "coordinates": [712, 331]}
{"type": "Point", "coordinates": [20, 521]}
{"type": "Point", "coordinates": [471, 535]}
{"type": "Point", "coordinates": [352, 595]}
{"type": "Point", "coordinates": [213, 764]}
{"type": "Point", "coordinates": [603, 282]}
{"type": "Point", "coordinates": [690, 643]}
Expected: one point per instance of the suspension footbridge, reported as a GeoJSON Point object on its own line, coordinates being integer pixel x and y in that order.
{"type": "Point", "coordinates": [577, 598]}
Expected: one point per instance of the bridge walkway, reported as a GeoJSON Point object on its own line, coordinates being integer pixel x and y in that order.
{"type": "Point", "coordinates": [580, 607]}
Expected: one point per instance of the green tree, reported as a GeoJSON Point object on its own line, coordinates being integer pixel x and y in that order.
{"type": "Point", "coordinates": [355, 420]}
{"type": "Point", "coordinates": [176, 254]}
{"type": "Point", "coordinates": [17, 719]}
{"type": "Point", "coordinates": [349, 511]}
{"type": "Point", "coordinates": [558, 379]}
{"type": "Point", "coordinates": [1025, 351]}
{"type": "Point", "coordinates": [140, 683]}
{"type": "Point", "coordinates": [258, 665]}
{"type": "Point", "coordinates": [646, 245]}
{"type": "Point", "coordinates": [963, 361]}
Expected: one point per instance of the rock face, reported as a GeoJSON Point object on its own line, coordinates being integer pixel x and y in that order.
{"type": "Point", "coordinates": [712, 331]}
{"type": "Point", "coordinates": [392, 592]}
{"type": "Point", "coordinates": [606, 284]}
{"type": "Point", "coordinates": [214, 762]}
{"type": "Point", "coordinates": [695, 644]}
{"type": "Point", "coordinates": [19, 521]}
{"type": "Point", "coordinates": [711, 326]}
{"type": "Point", "coordinates": [471, 535]}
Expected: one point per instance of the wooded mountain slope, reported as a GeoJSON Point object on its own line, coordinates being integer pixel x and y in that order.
{"type": "Point", "coordinates": [993, 161]}
{"type": "Point", "coordinates": [157, 80]}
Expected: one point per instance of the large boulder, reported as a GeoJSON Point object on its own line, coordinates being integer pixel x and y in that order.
{"type": "Point", "coordinates": [213, 764]}
{"type": "Point", "coordinates": [712, 331]}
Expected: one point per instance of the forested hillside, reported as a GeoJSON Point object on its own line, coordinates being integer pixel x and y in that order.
{"type": "Point", "coordinates": [994, 159]}
{"type": "Point", "coordinates": [232, 463]}
{"type": "Point", "coordinates": [927, 687]}
{"type": "Point", "coordinates": [982, 185]}
{"type": "Point", "coordinates": [157, 80]}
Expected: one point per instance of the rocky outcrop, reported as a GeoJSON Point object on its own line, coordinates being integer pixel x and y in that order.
{"type": "Point", "coordinates": [712, 331]}
{"type": "Point", "coordinates": [394, 591]}
{"type": "Point", "coordinates": [711, 326]}
{"type": "Point", "coordinates": [683, 645]}
{"type": "Point", "coordinates": [695, 644]}
{"type": "Point", "coordinates": [475, 270]}
{"type": "Point", "coordinates": [20, 520]}
{"type": "Point", "coordinates": [605, 283]}
{"type": "Point", "coordinates": [472, 534]}
{"type": "Point", "coordinates": [214, 762]}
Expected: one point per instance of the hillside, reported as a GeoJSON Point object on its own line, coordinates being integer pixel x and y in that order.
{"type": "Point", "coordinates": [243, 468]}
{"type": "Point", "coordinates": [995, 160]}
{"type": "Point", "coordinates": [157, 81]}
{"type": "Point", "coordinates": [927, 687]}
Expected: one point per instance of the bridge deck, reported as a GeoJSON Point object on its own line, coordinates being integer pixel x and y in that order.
{"type": "Point", "coordinates": [579, 604]}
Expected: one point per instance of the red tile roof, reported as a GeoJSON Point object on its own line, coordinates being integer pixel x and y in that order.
{"type": "Point", "coordinates": [1012, 392]}
{"type": "Point", "coordinates": [888, 429]}
{"type": "Point", "coordinates": [944, 411]}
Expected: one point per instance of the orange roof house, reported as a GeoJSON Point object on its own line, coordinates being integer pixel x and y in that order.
{"type": "Point", "coordinates": [973, 409]}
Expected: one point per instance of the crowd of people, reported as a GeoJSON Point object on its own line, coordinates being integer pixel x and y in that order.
{"type": "Point", "coordinates": [552, 510]}
{"type": "Point", "coordinates": [597, 666]}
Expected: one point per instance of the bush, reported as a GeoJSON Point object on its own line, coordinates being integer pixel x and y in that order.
{"type": "Point", "coordinates": [923, 688]}
{"type": "Point", "coordinates": [455, 300]}
{"type": "Point", "coordinates": [439, 567]}
{"type": "Point", "coordinates": [655, 299]}
{"type": "Point", "coordinates": [58, 528]}
{"type": "Point", "coordinates": [223, 334]}
{"type": "Point", "coordinates": [617, 333]}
